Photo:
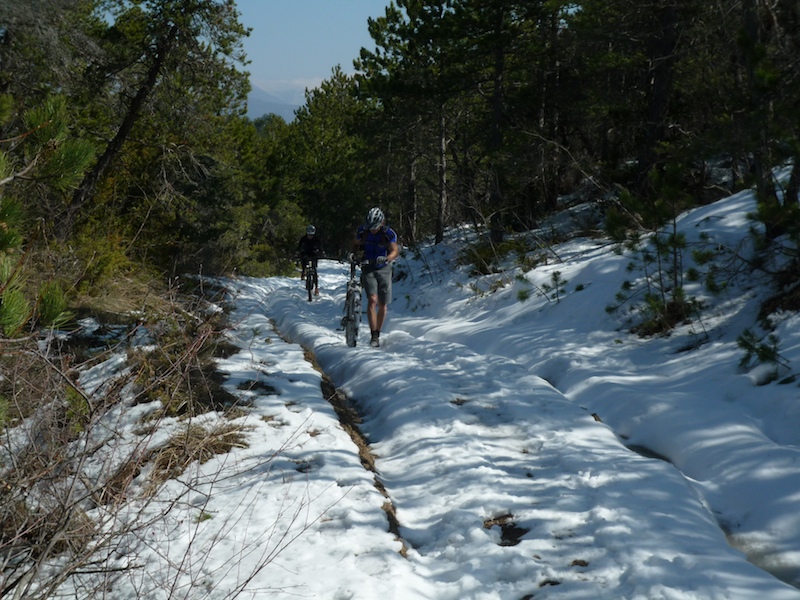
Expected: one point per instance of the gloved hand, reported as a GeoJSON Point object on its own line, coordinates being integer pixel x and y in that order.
{"type": "Point", "coordinates": [380, 261]}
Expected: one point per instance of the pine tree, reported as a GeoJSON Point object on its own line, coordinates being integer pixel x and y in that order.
{"type": "Point", "coordinates": [47, 155]}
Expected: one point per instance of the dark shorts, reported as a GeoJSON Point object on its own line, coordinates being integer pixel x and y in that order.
{"type": "Point", "coordinates": [308, 258]}
{"type": "Point", "coordinates": [378, 281]}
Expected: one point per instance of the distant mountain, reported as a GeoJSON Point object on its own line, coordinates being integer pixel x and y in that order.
{"type": "Point", "coordinates": [260, 103]}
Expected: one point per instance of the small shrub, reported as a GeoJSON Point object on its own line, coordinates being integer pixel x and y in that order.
{"type": "Point", "coordinates": [11, 215]}
{"type": "Point", "coordinates": [204, 516]}
{"type": "Point", "coordinates": [659, 316]}
{"type": "Point", "coordinates": [4, 411]}
{"type": "Point", "coordinates": [758, 351]}
{"type": "Point", "coordinates": [497, 285]}
{"type": "Point", "coordinates": [52, 307]}
{"type": "Point", "coordinates": [486, 256]}
{"type": "Point", "coordinates": [555, 289]}
{"type": "Point", "coordinates": [15, 308]}
{"type": "Point", "coordinates": [78, 410]}
{"type": "Point", "coordinates": [14, 311]}
{"type": "Point", "coordinates": [179, 369]}
{"type": "Point", "coordinates": [103, 257]}
{"type": "Point", "coordinates": [528, 262]}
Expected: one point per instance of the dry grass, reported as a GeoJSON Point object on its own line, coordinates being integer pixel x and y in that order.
{"type": "Point", "coordinates": [124, 295]}
{"type": "Point", "coordinates": [194, 443]}
{"type": "Point", "coordinates": [48, 482]}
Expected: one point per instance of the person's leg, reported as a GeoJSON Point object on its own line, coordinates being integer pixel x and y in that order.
{"type": "Point", "coordinates": [380, 315]}
{"type": "Point", "coordinates": [384, 281]}
{"type": "Point", "coordinates": [377, 313]}
{"type": "Point", "coordinates": [369, 282]}
{"type": "Point", "coordinates": [372, 313]}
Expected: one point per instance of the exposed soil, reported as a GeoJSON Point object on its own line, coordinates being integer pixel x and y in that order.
{"type": "Point", "coordinates": [510, 532]}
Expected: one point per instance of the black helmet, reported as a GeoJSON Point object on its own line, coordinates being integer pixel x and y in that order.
{"type": "Point", "coordinates": [311, 230]}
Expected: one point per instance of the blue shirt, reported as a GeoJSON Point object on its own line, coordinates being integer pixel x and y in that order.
{"type": "Point", "coordinates": [376, 244]}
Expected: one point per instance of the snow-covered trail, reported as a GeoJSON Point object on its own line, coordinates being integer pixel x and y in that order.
{"type": "Point", "coordinates": [503, 488]}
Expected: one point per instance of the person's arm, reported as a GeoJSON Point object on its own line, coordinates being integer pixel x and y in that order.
{"type": "Point", "coordinates": [394, 252]}
{"type": "Point", "coordinates": [357, 244]}
{"type": "Point", "coordinates": [394, 249]}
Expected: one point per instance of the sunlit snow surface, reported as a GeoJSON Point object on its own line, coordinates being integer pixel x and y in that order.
{"type": "Point", "coordinates": [501, 424]}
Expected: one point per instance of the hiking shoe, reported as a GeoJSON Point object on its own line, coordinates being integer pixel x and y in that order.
{"type": "Point", "coordinates": [316, 292]}
{"type": "Point", "coordinates": [375, 341]}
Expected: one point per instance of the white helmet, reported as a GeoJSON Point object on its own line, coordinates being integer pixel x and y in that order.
{"type": "Point", "coordinates": [311, 230]}
{"type": "Point", "coordinates": [374, 218]}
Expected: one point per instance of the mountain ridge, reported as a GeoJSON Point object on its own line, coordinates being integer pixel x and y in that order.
{"type": "Point", "coordinates": [261, 103]}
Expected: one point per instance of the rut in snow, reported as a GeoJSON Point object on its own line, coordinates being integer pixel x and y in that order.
{"type": "Point", "coordinates": [350, 420]}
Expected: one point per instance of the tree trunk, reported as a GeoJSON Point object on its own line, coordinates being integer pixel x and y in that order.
{"type": "Point", "coordinates": [660, 74]}
{"type": "Point", "coordinates": [765, 187]}
{"type": "Point", "coordinates": [410, 212]}
{"type": "Point", "coordinates": [442, 206]}
{"type": "Point", "coordinates": [87, 188]}
{"type": "Point", "coordinates": [496, 132]}
{"type": "Point", "coordinates": [792, 197]}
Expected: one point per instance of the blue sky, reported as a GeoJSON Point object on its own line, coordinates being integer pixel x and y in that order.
{"type": "Point", "coordinates": [294, 44]}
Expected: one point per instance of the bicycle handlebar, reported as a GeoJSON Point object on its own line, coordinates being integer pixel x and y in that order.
{"type": "Point", "coordinates": [362, 262]}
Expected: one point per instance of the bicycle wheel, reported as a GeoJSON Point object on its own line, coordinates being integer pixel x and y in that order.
{"type": "Point", "coordinates": [311, 274]}
{"type": "Point", "coordinates": [352, 316]}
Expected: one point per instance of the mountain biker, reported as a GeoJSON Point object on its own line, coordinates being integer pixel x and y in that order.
{"type": "Point", "coordinates": [310, 250]}
{"type": "Point", "coordinates": [379, 246]}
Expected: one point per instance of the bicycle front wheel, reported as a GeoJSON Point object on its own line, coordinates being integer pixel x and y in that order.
{"type": "Point", "coordinates": [352, 317]}
{"type": "Point", "coordinates": [310, 276]}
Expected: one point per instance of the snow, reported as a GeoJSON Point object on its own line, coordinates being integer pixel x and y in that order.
{"type": "Point", "coordinates": [526, 448]}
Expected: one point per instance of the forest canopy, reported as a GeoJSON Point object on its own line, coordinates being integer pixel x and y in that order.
{"type": "Point", "coordinates": [124, 145]}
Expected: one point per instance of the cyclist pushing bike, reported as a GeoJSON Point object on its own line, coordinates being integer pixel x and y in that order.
{"type": "Point", "coordinates": [378, 243]}
{"type": "Point", "coordinates": [309, 248]}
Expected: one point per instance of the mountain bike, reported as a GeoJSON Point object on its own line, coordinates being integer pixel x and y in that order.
{"type": "Point", "coordinates": [352, 304]}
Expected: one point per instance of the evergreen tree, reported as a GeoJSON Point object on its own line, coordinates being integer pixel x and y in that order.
{"type": "Point", "coordinates": [330, 163]}
{"type": "Point", "coordinates": [44, 156]}
{"type": "Point", "coordinates": [178, 60]}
